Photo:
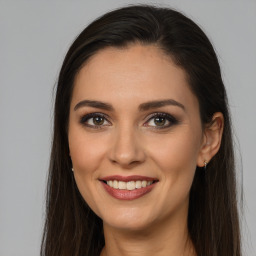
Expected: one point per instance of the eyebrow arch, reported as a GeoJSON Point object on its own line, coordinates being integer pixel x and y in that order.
{"type": "Point", "coordinates": [142, 107]}
{"type": "Point", "coordinates": [159, 103]}
{"type": "Point", "coordinates": [94, 104]}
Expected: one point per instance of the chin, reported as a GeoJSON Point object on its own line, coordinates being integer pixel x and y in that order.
{"type": "Point", "coordinates": [129, 221]}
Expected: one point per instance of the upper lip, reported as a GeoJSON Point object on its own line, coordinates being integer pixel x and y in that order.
{"type": "Point", "coordinates": [128, 178]}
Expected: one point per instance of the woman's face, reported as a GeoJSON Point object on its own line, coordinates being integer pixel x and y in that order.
{"type": "Point", "coordinates": [135, 137]}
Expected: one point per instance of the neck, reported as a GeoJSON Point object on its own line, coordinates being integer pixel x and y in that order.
{"type": "Point", "coordinates": [170, 238]}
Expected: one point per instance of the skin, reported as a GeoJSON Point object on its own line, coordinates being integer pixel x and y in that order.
{"type": "Point", "coordinates": [130, 142]}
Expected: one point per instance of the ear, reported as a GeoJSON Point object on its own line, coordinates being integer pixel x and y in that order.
{"type": "Point", "coordinates": [211, 139]}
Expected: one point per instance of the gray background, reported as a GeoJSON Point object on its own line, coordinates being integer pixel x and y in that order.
{"type": "Point", "coordinates": [34, 37]}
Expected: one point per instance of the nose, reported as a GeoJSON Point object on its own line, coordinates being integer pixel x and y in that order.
{"type": "Point", "coordinates": [126, 149]}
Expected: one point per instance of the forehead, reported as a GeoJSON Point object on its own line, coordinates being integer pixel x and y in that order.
{"type": "Point", "coordinates": [133, 74]}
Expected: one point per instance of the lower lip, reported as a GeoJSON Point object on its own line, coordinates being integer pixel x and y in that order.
{"type": "Point", "coordinates": [124, 194]}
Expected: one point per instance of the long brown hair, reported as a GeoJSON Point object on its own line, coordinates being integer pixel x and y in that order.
{"type": "Point", "coordinates": [71, 228]}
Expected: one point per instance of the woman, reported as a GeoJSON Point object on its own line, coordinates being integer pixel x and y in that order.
{"type": "Point", "coordinates": [142, 157]}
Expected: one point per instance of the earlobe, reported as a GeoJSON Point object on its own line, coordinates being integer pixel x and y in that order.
{"type": "Point", "coordinates": [212, 139]}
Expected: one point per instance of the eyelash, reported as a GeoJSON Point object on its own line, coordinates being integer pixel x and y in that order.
{"type": "Point", "coordinates": [87, 117]}
{"type": "Point", "coordinates": [169, 118]}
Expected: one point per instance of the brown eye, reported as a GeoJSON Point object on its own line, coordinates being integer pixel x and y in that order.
{"type": "Point", "coordinates": [98, 120]}
{"type": "Point", "coordinates": [159, 121]}
{"type": "Point", "coordinates": [95, 120]}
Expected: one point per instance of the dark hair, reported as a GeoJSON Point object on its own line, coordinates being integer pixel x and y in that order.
{"type": "Point", "coordinates": [71, 228]}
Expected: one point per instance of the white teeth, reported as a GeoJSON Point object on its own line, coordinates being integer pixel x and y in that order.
{"type": "Point", "coordinates": [138, 184]}
{"type": "Point", "coordinates": [110, 183]}
{"type": "Point", "coordinates": [115, 184]}
{"type": "Point", "coordinates": [122, 185]}
{"type": "Point", "coordinates": [130, 185]}
{"type": "Point", "coordinates": [144, 183]}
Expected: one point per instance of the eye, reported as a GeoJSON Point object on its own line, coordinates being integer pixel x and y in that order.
{"type": "Point", "coordinates": [95, 120]}
{"type": "Point", "coordinates": [161, 120]}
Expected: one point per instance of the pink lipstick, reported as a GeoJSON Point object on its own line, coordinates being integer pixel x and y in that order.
{"type": "Point", "coordinates": [128, 187]}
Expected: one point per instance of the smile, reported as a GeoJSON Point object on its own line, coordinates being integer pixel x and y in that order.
{"type": "Point", "coordinates": [130, 185]}
{"type": "Point", "coordinates": [128, 188]}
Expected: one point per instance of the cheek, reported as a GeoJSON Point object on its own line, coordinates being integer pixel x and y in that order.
{"type": "Point", "coordinates": [86, 150]}
{"type": "Point", "coordinates": [177, 157]}
{"type": "Point", "coordinates": [176, 160]}
{"type": "Point", "coordinates": [177, 148]}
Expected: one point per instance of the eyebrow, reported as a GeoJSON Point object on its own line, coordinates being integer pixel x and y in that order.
{"type": "Point", "coordinates": [94, 104]}
{"type": "Point", "coordinates": [160, 103]}
{"type": "Point", "coordinates": [142, 107]}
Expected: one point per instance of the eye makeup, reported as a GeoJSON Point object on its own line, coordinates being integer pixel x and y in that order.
{"type": "Point", "coordinates": [161, 120]}
{"type": "Point", "coordinates": [157, 120]}
{"type": "Point", "coordinates": [95, 120]}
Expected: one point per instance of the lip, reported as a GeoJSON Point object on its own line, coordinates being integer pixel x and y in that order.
{"type": "Point", "coordinates": [128, 178]}
{"type": "Point", "coordinates": [124, 194]}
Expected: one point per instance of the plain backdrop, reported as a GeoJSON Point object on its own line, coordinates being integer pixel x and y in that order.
{"type": "Point", "coordinates": [34, 37]}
